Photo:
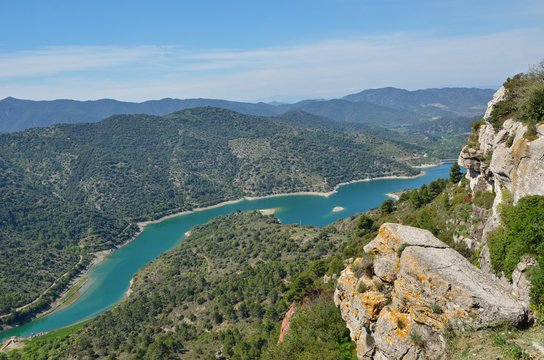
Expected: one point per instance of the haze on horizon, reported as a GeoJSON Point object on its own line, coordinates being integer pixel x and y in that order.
{"type": "Point", "coordinates": [254, 51]}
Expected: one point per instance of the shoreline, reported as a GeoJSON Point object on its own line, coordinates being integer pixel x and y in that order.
{"type": "Point", "coordinates": [143, 224]}
{"type": "Point", "coordinates": [101, 256]}
{"type": "Point", "coordinates": [430, 165]}
{"type": "Point", "coordinates": [393, 196]}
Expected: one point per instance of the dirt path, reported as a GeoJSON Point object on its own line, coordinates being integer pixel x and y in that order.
{"type": "Point", "coordinates": [45, 291]}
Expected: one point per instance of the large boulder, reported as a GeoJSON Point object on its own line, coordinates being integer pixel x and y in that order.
{"type": "Point", "coordinates": [419, 285]}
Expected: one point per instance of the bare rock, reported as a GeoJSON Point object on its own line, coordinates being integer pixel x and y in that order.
{"type": "Point", "coordinates": [521, 286]}
{"type": "Point", "coordinates": [441, 286]}
{"type": "Point", "coordinates": [498, 96]}
{"type": "Point", "coordinates": [286, 323]}
{"type": "Point", "coordinates": [403, 316]}
{"type": "Point", "coordinates": [392, 236]}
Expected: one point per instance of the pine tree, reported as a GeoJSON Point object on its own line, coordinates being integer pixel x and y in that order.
{"type": "Point", "coordinates": [455, 174]}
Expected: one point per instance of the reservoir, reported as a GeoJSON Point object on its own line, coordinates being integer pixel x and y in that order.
{"type": "Point", "coordinates": [109, 280]}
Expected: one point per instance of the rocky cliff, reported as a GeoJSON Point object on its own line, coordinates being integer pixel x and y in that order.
{"type": "Point", "coordinates": [504, 161]}
{"type": "Point", "coordinates": [409, 287]}
{"type": "Point", "coordinates": [398, 298]}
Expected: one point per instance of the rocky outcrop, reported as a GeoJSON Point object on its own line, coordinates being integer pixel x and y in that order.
{"type": "Point", "coordinates": [506, 162]}
{"type": "Point", "coordinates": [521, 286]}
{"type": "Point", "coordinates": [286, 323]}
{"type": "Point", "coordinates": [417, 285]}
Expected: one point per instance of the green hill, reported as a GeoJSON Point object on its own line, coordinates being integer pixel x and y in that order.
{"type": "Point", "coordinates": [70, 190]}
{"type": "Point", "coordinates": [446, 102]}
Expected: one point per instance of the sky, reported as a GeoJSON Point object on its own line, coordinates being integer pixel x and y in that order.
{"type": "Point", "coordinates": [261, 50]}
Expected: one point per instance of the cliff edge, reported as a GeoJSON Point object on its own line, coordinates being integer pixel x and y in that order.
{"type": "Point", "coordinates": [505, 161]}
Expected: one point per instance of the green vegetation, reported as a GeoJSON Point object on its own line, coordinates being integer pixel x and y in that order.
{"type": "Point", "coordinates": [510, 141]}
{"type": "Point", "coordinates": [484, 199]}
{"type": "Point", "coordinates": [258, 267]}
{"type": "Point", "coordinates": [476, 125]}
{"type": "Point", "coordinates": [417, 339]}
{"type": "Point", "coordinates": [491, 344]}
{"type": "Point", "coordinates": [455, 174]}
{"type": "Point", "coordinates": [522, 233]}
{"type": "Point", "coordinates": [524, 99]}
{"type": "Point", "coordinates": [437, 309]}
{"type": "Point", "coordinates": [71, 190]}
{"type": "Point", "coordinates": [317, 332]}
{"type": "Point", "coordinates": [442, 207]}
{"type": "Point", "coordinates": [387, 206]}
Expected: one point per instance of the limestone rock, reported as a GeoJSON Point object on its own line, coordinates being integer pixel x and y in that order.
{"type": "Point", "coordinates": [392, 236]}
{"type": "Point", "coordinates": [432, 279]}
{"type": "Point", "coordinates": [390, 239]}
{"type": "Point", "coordinates": [516, 164]}
{"type": "Point", "coordinates": [498, 96]}
{"type": "Point", "coordinates": [521, 285]}
{"type": "Point", "coordinates": [404, 315]}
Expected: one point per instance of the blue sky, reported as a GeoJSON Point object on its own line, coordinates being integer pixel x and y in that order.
{"type": "Point", "coordinates": [260, 50]}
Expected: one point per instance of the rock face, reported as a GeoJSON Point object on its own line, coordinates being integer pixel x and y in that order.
{"type": "Point", "coordinates": [521, 286]}
{"type": "Point", "coordinates": [505, 162]}
{"type": "Point", "coordinates": [418, 285]}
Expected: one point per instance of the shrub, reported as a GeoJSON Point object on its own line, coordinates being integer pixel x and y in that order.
{"type": "Point", "coordinates": [522, 233]}
{"type": "Point", "coordinates": [531, 133]}
{"type": "Point", "coordinates": [532, 110]}
{"type": "Point", "coordinates": [501, 111]}
{"type": "Point", "coordinates": [510, 141]}
{"type": "Point", "coordinates": [477, 124]}
{"type": "Point", "coordinates": [417, 339]}
{"type": "Point", "coordinates": [455, 174]}
{"type": "Point", "coordinates": [365, 265]}
{"type": "Point", "coordinates": [484, 199]}
{"type": "Point", "coordinates": [365, 224]}
{"type": "Point", "coordinates": [537, 289]}
{"type": "Point", "coordinates": [387, 206]}
{"type": "Point", "coordinates": [437, 309]}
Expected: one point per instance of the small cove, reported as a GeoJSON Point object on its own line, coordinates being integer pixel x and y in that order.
{"type": "Point", "coordinates": [109, 281]}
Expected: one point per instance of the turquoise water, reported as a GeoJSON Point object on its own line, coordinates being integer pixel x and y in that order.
{"type": "Point", "coordinates": [110, 279]}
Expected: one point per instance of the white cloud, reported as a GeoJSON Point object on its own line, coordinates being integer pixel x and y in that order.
{"type": "Point", "coordinates": [322, 69]}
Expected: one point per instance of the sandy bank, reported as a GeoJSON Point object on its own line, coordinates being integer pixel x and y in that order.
{"type": "Point", "coordinates": [393, 196]}
{"type": "Point", "coordinates": [268, 211]}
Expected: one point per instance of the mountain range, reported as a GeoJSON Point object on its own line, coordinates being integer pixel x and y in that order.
{"type": "Point", "coordinates": [389, 107]}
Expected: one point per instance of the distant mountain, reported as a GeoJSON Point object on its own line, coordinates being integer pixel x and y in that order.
{"type": "Point", "coordinates": [302, 118]}
{"type": "Point", "coordinates": [430, 102]}
{"type": "Point", "coordinates": [17, 115]}
{"type": "Point", "coordinates": [357, 112]}
{"type": "Point", "coordinates": [389, 107]}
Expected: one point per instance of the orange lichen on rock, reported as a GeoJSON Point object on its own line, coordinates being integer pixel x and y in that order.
{"type": "Point", "coordinates": [433, 285]}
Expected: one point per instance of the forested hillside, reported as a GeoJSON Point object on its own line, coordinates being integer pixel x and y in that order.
{"type": "Point", "coordinates": [447, 102]}
{"type": "Point", "coordinates": [70, 190]}
{"type": "Point", "coordinates": [226, 287]}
